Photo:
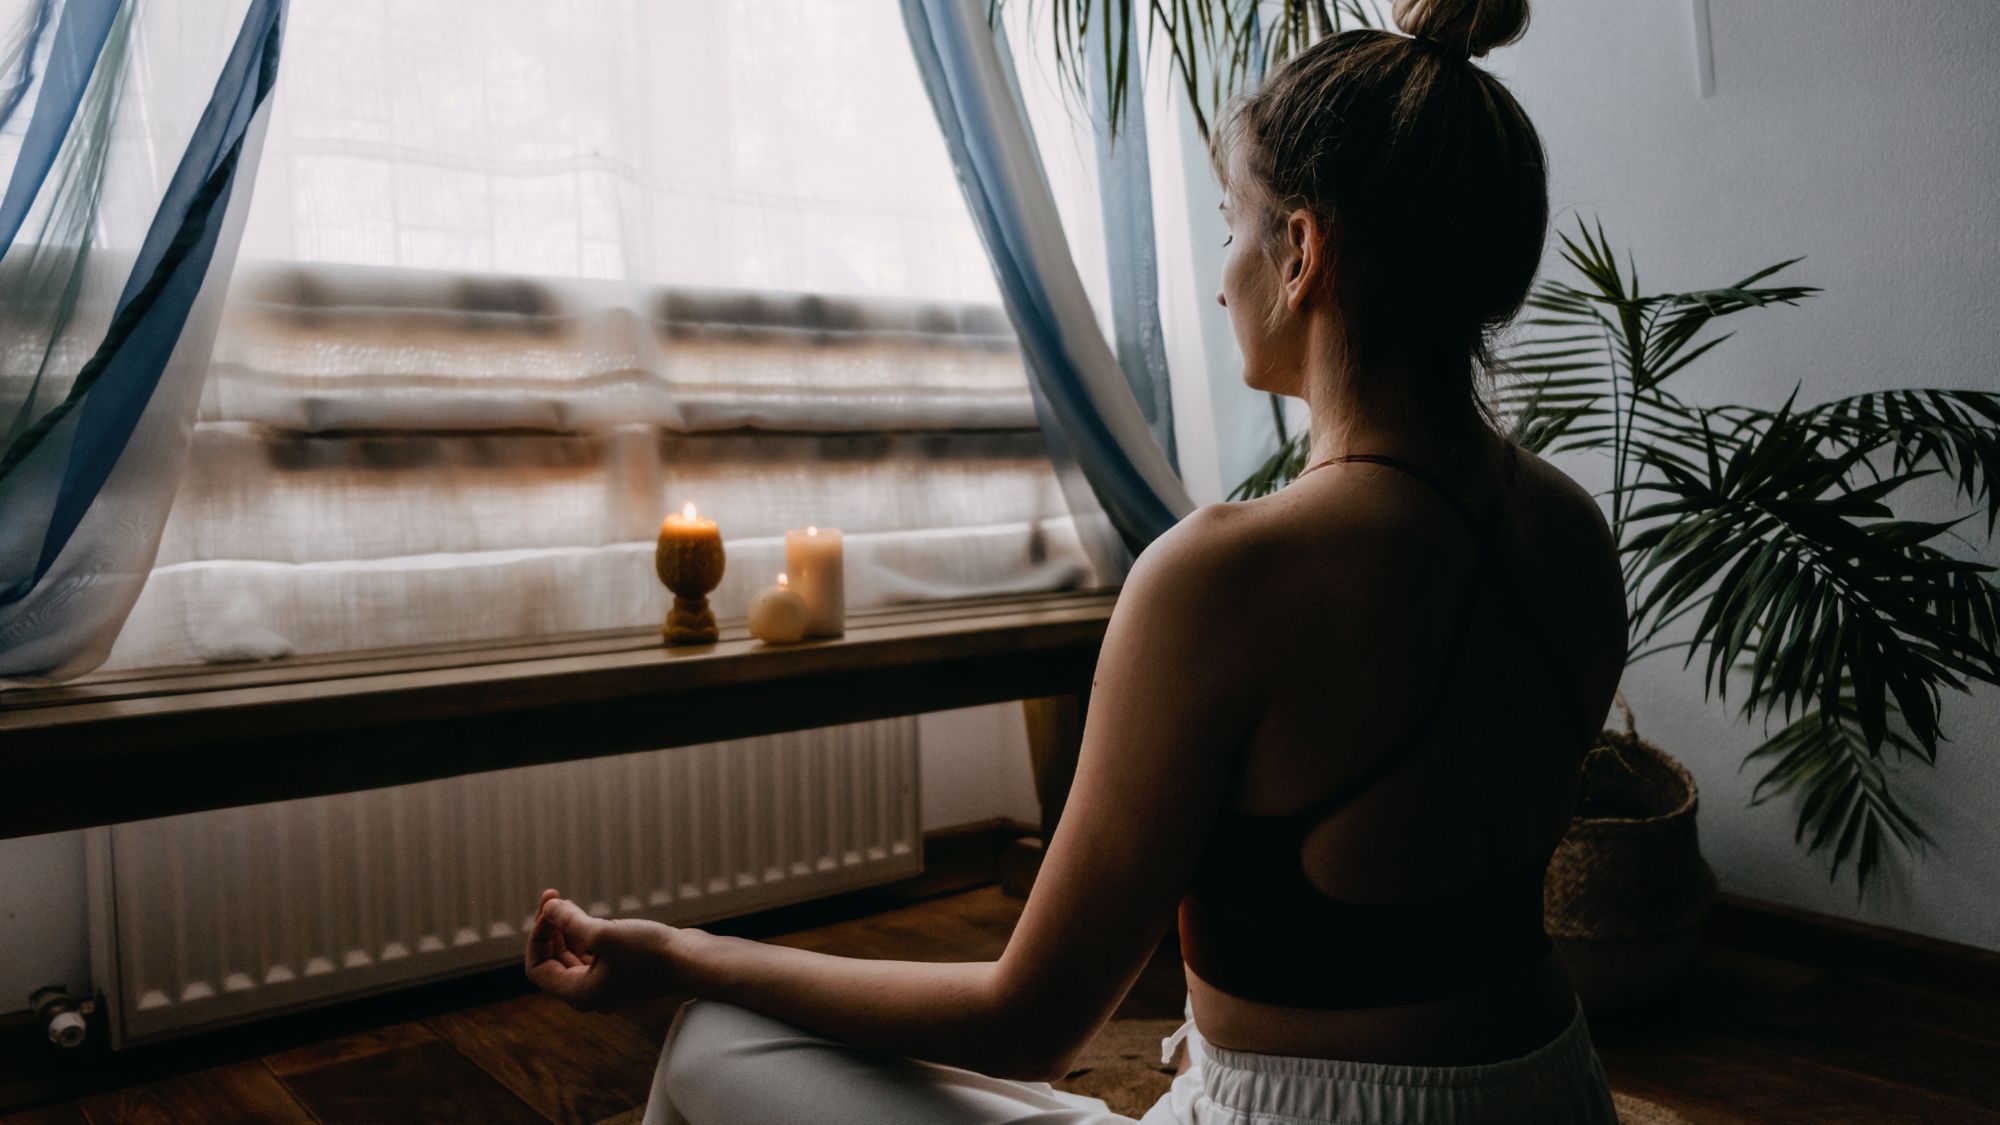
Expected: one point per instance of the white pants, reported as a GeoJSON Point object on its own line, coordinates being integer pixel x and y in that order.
{"type": "Point", "coordinates": [727, 1066]}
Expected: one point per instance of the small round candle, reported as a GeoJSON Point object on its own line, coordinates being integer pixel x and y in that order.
{"type": "Point", "coordinates": [778, 614]}
{"type": "Point", "coordinates": [813, 559]}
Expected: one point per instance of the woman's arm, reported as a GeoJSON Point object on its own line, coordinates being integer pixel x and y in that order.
{"type": "Point", "coordinates": [1173, 698]}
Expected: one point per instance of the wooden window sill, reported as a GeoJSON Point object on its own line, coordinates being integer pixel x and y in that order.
{"type": "Point", "coordinates": [129, 746]}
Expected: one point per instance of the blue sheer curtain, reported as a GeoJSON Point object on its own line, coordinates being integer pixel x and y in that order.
{"type": "Point", "coordinates": [1125, 195]}
{"type": "Point", "coordinates": [1097, 432]}
{"type": "Point", "coordinates": [106, 344]}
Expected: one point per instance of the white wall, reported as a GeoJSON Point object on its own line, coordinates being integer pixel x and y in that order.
{"type": "Point", "coordinates": [973, 766]}
{"type": "Point", "coordinates": [1866, 135]}
{"type": "Point", "coordinates": [43, 939]}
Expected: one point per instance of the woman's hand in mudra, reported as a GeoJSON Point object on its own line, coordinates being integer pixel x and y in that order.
{"type": "Point", "coordinates": [597, 963]}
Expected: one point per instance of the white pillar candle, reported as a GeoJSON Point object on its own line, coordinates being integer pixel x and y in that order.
{"type": "Point", "coordinates": [813, 559]}
{"type": "Point", "coordinates": [778, 614]}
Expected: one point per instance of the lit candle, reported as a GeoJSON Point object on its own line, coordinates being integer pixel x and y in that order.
{"type": "Point", "coordinates": [813, 559]}
{"type": "Point", "coordinates": [689, 561]}
{"type": "Point", "coordinates": [778, 615]}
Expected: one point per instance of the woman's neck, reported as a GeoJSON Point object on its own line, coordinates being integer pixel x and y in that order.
{"type": "Point", "coordinates": [1391, 421]}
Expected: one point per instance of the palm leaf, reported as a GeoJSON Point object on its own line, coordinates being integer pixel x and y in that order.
{"type": "Point", "coordinates": [1279, 469]}
{"type": "Point", "coordinates": [1845, 801]}
{"type": "Point", "coordinates": [1216, 47]}
{"type": "Point", "coordinates": [1778, 527]}
{"type": "Point", "coordinates": [1952, 430]}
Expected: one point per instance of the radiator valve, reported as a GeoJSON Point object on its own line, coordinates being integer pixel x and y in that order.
{"type": "Point", "coordinates": [64, 1017]}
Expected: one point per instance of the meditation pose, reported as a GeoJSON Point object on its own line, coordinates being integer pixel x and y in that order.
{"type": "Point", "coordinates": [1337, 730]}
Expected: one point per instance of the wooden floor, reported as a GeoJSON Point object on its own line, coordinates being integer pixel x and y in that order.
{"type": "Point", "coordinates": [1851, 1033]}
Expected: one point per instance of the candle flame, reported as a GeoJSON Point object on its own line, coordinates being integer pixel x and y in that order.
{"type": "Point", "coordinates": [784, 583]}
{"type": "Point", "coordinates": [687, 513]}
{"type": "Point", "coordinates": [810, 530]}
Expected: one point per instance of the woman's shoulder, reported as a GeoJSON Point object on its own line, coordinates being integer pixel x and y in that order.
{"type": "Point", "coordinates": [1338, 536]}
{"type": "Point", "coordinates": [1353, 515]}
{"type": "Point", "coordinates": [1554, 500]}
{"type": "Point", "coordinates": [1216, 543]}
{"type": "Point", "coordinates": [1370, 530]}
{"type": "Point", "coordinates": [1566, 556]}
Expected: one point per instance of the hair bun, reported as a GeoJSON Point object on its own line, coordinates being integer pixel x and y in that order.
{"type": "Point", "coordinates": [1468, 27]}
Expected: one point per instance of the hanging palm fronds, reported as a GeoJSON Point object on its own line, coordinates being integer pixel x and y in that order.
{"type": "Point", "coordinates": [1763, 543]}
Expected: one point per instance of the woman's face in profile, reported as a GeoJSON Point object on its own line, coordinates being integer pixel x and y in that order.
{"type": "Point", "coordinates": [1250, 292]}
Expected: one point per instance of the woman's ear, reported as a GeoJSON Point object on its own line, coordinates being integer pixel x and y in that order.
{"type": "Point", "coordinates": [1303, 267]}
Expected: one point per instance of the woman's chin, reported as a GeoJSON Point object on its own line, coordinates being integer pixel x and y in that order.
{"type": "Point", "coordinates": [1262, 381]}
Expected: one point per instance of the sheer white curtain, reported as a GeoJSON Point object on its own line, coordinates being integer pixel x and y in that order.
{"type": "Point", "coordinates": [520, 277]}
{"type": "Point", "coordinates": [759, 144]}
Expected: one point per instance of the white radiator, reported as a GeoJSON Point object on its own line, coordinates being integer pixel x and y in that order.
{"type": "Point", "coordinates": [219, 917]}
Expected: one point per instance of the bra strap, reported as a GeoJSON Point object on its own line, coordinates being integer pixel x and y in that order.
{"type": "Point", "coordinates": [1423, 475]}
{"type": "Point", "coordinates": [1393, 758]}
{"type": "Point", "coordinates": [1484, 535]}
{"type": "Point", "coordinates": [1390, 760]}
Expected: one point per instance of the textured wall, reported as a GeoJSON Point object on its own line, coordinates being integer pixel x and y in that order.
{"type": "Point", "coordinates": [1865, 135]}
{"type": "Point", "coordinates": [44, 938]}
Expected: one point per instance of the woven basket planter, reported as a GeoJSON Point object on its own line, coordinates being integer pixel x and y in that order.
{"type": "Point", "coordinates": [1627, 889]}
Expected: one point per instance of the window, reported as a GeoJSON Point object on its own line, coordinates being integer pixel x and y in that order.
{"type": "Point", "coordinates": [521, 277]}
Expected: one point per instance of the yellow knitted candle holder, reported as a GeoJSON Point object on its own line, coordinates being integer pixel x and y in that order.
{"type": "Point", "coordinates": [689, 561]}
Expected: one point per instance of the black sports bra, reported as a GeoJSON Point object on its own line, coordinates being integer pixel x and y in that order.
{"type": "Point", "coordinates": [1253, 925]}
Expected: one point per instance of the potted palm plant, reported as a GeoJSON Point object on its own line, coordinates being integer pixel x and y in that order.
{"type": "Point", "coordinates": [1765, 544]}
{"type": "Point", "coordinates": [1764, 547]}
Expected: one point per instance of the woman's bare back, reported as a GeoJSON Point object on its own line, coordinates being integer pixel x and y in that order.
{"type": "Point", "coordinates": [1372, 564]}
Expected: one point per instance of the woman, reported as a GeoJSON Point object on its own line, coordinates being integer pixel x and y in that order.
{"type": "Point", "coordinates": [1339, 728]}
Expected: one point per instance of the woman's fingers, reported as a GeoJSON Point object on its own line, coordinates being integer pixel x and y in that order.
{"type": "Point", "coordinates": [558, 957]}
{"type": "Point", "coordinates": [552, 964]}
{"type": "Point", "coordinates": [578, 928]}
{"type": "Point", "coordinates": [570, 985]}
{"type": "Point", "coordinates": [544, 943]}
{"type": "Point", "coordinates": [547, 938]}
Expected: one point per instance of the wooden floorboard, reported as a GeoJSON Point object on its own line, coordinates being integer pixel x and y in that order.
{"type": "Point", "coordinates": [569, 1065]}
{"type": "Point", "coordinates": [1760, 1032]}
{"type": "Point", "coordinates": [1752, 1037]}
{"type": "Point", "coordinates": [415, 1079]}
{"type": "Point", "coordinates": [245, 1092]}
{"type": "Point", "coordinates": [65, 1113]}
